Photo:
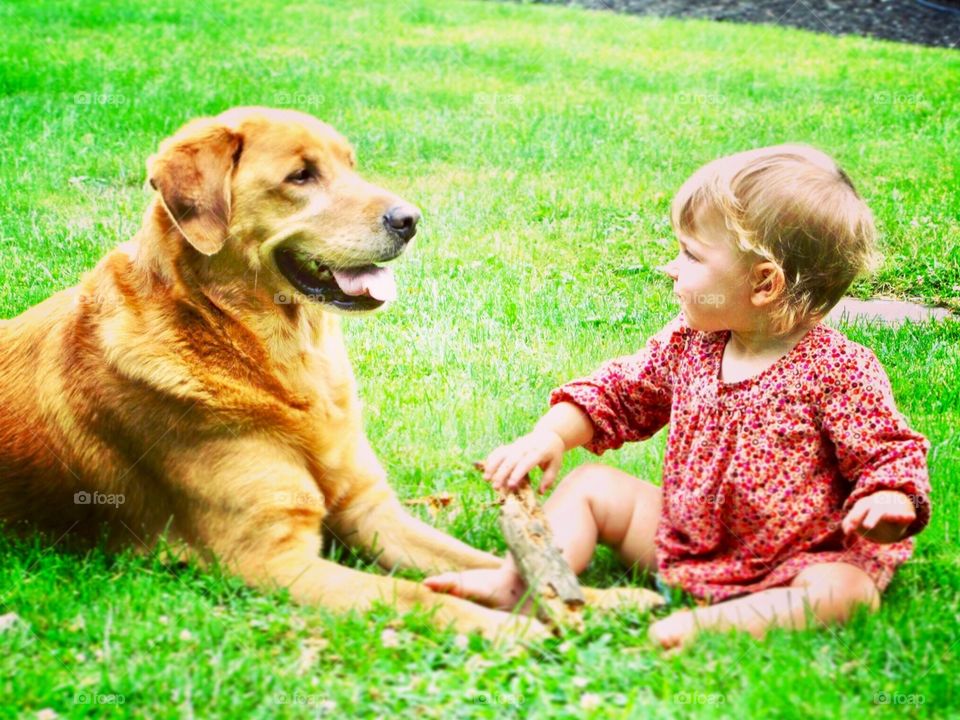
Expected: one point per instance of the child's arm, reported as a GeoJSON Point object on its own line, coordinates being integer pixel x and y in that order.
{"type": "Point", "coordinates": [625, 399]}
{"type": "Point", "coordinates": [629, 398]}
{"type": "Point", "coordinates": [884, 460]}
{"type": "Point", "coordinates": [565, 426]}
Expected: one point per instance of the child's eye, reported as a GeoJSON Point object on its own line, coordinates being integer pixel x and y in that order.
{"type": "Point", "coordinates": [687, 253]}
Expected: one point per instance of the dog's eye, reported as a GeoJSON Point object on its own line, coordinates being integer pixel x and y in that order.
{"type": "Point", "coordinates": [302, 176]}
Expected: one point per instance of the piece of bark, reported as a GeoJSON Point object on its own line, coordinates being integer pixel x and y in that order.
{"type": "Point", "coordinates": [552, 584]}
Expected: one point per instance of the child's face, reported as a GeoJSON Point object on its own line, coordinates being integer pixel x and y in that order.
{"type": "Point", "coordinates": [711, 278]}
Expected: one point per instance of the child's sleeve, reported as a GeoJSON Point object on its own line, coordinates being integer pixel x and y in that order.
{"type": "Point", "coordinates": [629, 398]}
{"type": "Point", "coordinates": [875, 448]}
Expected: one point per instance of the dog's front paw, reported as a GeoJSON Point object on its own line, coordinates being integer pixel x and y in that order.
{"type": "Point", "coordinates": [519, 627]}
{"type": "Point", "coordinates": [503, 628]}
{"type": "Point", "coordinates": [620, 598]}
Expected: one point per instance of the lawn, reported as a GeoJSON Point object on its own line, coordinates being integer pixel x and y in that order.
{"type": "Point", "coordinates": [543, 145]}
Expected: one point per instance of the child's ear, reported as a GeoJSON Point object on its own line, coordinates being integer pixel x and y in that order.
{"type": "Point", "coordinates": [767, 283]}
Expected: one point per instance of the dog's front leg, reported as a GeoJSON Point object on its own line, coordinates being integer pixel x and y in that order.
{"type": "Point", "coordinates": [287, 558]}
{"type": "Point", "coordinates": [262, 519]}
{"type": "Point", "coordinates": [374, 521]}
{"type": "Point", "coordinates": [377, 523]}
{"type": "Point", "coordinates": [293, 564]}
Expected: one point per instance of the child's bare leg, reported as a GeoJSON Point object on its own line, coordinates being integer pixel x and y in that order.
{"type": "Point", "coordinates": [594, 503]}
{"type": "Point", "coordinates": [831, 590]}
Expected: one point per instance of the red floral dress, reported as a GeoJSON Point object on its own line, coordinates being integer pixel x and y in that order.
{"type": "Point", "coordinates": [758, 474]}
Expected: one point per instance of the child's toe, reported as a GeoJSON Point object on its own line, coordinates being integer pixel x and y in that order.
{"type": "Point", "coordinates": [446, 583]}
{"type": "Point", "coordinates": [673, 632]}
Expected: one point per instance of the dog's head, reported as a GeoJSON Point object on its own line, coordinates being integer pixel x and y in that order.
{"type": "Point", "coordinates": [278, 192]}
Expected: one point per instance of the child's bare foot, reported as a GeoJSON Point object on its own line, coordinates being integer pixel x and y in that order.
{"type": "Point", "coordinates": [501, 588]}
{"type": "Point", "coordinates": [675, 631]}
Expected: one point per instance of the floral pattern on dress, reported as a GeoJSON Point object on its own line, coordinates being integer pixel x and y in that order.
{"type": "Point", "coordinates": [758, 474]}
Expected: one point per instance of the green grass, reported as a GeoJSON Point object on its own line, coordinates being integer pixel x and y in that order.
{"type": "Point", "coordinates": [544, 145]}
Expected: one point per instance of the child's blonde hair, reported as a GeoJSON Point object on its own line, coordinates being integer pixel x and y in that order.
{"type": "Point", "coordinates": [791, 205]}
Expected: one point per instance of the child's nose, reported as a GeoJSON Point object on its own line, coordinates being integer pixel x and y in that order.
{"type": "Point", "coordinates": [670, 269]}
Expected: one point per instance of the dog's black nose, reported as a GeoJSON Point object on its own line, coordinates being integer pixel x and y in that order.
{"type": "Point", "coordinates": [402, 220]}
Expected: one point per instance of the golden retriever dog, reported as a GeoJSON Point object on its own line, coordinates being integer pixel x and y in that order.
{"type": "Point", "coordinates": [195, 384]}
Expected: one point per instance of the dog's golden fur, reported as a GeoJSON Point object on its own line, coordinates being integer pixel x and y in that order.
{"type": "Point", "coordinates": [173, 379]}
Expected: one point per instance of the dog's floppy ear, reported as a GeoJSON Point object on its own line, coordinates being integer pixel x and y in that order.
{"type": "Point", "coordinates": [191, 171]}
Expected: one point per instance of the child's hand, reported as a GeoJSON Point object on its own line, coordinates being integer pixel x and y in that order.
{"type": "Point", "coordinates": [882, 517]}
{"type": "Point", "coordinates": [508, 465]}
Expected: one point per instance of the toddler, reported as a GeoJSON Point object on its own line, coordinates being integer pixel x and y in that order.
{"type": "Point", "coordinates": [791, 483]}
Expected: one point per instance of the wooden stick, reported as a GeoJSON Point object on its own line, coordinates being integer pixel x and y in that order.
{"type": "Point", "coordinates": [554, 590]}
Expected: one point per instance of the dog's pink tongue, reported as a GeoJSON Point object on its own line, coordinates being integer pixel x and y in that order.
{"type": "Point", "coordinates": [374, 281]}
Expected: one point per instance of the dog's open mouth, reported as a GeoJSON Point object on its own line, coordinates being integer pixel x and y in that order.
{"type": "Point", "coordinates": [357, 288]}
